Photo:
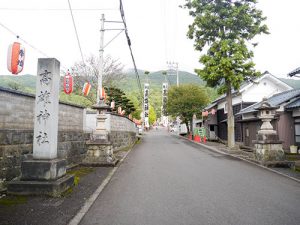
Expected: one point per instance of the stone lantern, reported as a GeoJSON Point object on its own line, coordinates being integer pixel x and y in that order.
{"type": "Point", "coordinates": [268, 146]}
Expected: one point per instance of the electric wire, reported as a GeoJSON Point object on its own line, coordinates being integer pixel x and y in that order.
{"type": "Point", "coordinates": [27, 43]}
{"type": "Point", "coordinates": [129, 45]}
{"type": "Point", "coordinates": [77, 36]}
{"type": "Point", "coordinates": [57, 9]}
{"type": "Point", "coordinates": [24, 41]}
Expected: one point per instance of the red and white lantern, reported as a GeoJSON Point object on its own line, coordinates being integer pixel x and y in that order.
{"type": "Point", "coordinates": [103, 94]}
{"type": "Point", "coordinates": [119, 110]}
{"type": "Point", "coordinates": [15, 58]}
{"type": "Point", "coordinates": [86, 89]}
{"type": "Point", "coordinates": [68, 84]}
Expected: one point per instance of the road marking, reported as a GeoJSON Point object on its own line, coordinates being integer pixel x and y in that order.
{"type": "Point", "coordinates": [246, 160]}
{"type": "Point", "coordinates": [87, 205]}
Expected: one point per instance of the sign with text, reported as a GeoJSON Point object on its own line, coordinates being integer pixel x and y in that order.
{"type": "Point", "coordinates": [146, 104]}
{"type": "Point", "coordinates": [164, 98]}
{"type": "Point", "coordinates": [46, 109]}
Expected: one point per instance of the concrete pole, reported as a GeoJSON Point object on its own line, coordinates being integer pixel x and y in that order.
{"type": "Point", "coordinates": [99, 92]}
{"type": "Point", "coordinates": [177, 74]}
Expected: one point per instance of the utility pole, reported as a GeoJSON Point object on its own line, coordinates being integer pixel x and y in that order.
{"type": "Point", "coordinates": [173, 66]}
{"type": "Point", "coordinates": [99, 92]}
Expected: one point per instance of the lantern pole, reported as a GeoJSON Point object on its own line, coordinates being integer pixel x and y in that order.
{"type": "Point", "coordinates": [99, 92]}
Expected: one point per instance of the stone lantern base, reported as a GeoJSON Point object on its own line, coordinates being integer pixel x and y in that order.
{"type": "Point", "coordinates": [99, 153]}
{"type": "Point", "coordinates": [269, 151]}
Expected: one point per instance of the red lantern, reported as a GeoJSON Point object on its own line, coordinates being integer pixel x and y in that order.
{"type": "Point", "coordinates": [103, 94]}
{"type": "Point", "coordinates": [68, 84]}
{"type": "Point", "coordinates": [15, 58]}
{"type": "Point", "coordinates": [86, 89]}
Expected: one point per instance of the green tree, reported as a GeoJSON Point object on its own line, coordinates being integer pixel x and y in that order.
{"type": "Point", "coordinates": [152, 115]}
{"type": "Point", "coordinates": [120, 99]}
{"type": "Point", "coordinates": [185, 101]}
{"type": "Point", "coordinates": [225, 29]}
{"type": "Point", "coordinates": [15, 85]}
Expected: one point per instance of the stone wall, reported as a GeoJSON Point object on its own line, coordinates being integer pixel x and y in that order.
{"type": "Point", "coordinates": [122, 131]}
{"type": "Point", "coordinates": [16, 132]}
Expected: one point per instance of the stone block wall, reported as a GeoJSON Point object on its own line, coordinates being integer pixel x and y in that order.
{"type": "Point", "coordinates": [16, 132]}
{"type": "Point", "coordinates": [122, 131]}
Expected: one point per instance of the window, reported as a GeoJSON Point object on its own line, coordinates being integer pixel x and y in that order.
{"type": "Point", "coordinates": [212, 128]}
{"type": "Point", "coordinates": [297, 130]}
{"type": "Point", "coordinates": [247, 132]}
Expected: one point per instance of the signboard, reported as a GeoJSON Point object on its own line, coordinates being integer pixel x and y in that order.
{"type": "Point", "coordinates": [146, 104]}
{"type": "Point", "coordinates": [164, 98]}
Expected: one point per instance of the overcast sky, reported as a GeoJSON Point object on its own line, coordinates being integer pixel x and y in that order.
{"type": "Point", "coordinates": [157, 29]}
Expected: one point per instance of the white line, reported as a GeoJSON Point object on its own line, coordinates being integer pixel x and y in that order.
{"type": "Point", "coordinates": [234, 156]}
{"type": "Point", "coordinates": [87, 205]}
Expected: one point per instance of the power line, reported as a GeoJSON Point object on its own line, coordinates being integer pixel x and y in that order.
{"type": "Point", "coordinates": [27, 43]}
{"type": "Point", "coordinates": [129, 45]}
{"type": "Point", "coordinates": [70, 8]}
{"type": "Point", "coordinates": [16, 35]}
{"type": "Point", "coordinates": [57, 9]}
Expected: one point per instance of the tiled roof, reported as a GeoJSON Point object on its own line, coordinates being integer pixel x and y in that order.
{"type": "Point", "coordinates": [275, 100]}
{"type": "Point", "coordinates": [294, 72]}
{"type": "Point", "coordinates": [291, 82]}
{"type": "Point", "coordinates": [294, 104]}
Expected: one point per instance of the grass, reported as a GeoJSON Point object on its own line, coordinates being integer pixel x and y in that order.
{"type": "Point", "coordinates": [13, 200]}
{"type": "Point", "coordinates": [80, 172]}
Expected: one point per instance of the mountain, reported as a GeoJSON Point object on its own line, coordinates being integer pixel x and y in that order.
{"type": "Point", "coordinates": [155, 79]}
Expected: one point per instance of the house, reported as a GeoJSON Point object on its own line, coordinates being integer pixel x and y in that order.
{"type": "Point", "coordinates": [286, 123]}
{"type": "Point", "coordinates": [251, 92]}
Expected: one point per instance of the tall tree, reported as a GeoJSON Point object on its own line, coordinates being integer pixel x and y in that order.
{"type": "Point", "coordinates": [89, 71]}
{"type": "Point", "coordinates": [225, 29]}
{"type": "Point", "coordinates": [185, 101]}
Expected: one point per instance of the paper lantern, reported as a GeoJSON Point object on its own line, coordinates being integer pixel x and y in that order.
{"type": "Point", "coordinates": [112, 104]}
{"type": "Point", "coordinates": [213, 112]}
{"type": "Point", "coordinates": [86, 89]}
{"type": "Point", "coordinates": [15, 58]}
{"type": "Point", "coordinates": [123, 112]}
{"type": "Point", "coordinates": [205, 113]}
{"type": "Point", "coordinates": [68, 84]}
{"type": "Point", "coordinates": [103, 94]}
{"type": "Point", "coordinates": [119, 110]}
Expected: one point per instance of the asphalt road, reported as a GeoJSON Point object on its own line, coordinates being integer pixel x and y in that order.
{"type": "Point", "coordinates": [170, 181]}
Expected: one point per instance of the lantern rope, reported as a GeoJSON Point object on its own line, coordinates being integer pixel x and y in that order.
{"type": "Point", "coordinates": [33, 47]}
{"type": "Point", "coordinates": [27, 43]}
{"type": "Point", "coordinates": [77, 36]}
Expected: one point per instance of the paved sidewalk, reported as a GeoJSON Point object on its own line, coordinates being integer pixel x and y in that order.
{"type": "Point", "coordinates": [41, 210]}
{"type": "Point", "coordinates": [247, 156]}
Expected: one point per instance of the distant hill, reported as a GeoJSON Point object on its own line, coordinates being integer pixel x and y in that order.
{"type": "Point", "coordinates": [24, 80]}
{"type": "Point", "coordinates": [157, 78]}
{"type": "Point", "coordinates": [26, 83]}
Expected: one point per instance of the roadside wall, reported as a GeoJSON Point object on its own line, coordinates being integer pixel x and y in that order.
{"type": "Point", "coordinates": [122, 131]}
{"type": "Point", "coordinates": [16, 132]}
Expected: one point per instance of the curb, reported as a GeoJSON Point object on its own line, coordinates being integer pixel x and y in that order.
{"type": "Point", "coordinates": [87, 205]}
{"type": "Point", "coordinates": [248, 161]}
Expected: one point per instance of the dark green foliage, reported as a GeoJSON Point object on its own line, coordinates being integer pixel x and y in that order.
{"type": "Point", "coordinates": [225, 29]}
{"type": "Point", "coordinates": [186, 100]}
{"type": "Point", "coordinates": [120, 99]}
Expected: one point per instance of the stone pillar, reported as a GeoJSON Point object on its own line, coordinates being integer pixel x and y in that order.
{"type": "Point", "coordinates": [268, 146]}
{"type": "Point", "coordinates": [44, 173]}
